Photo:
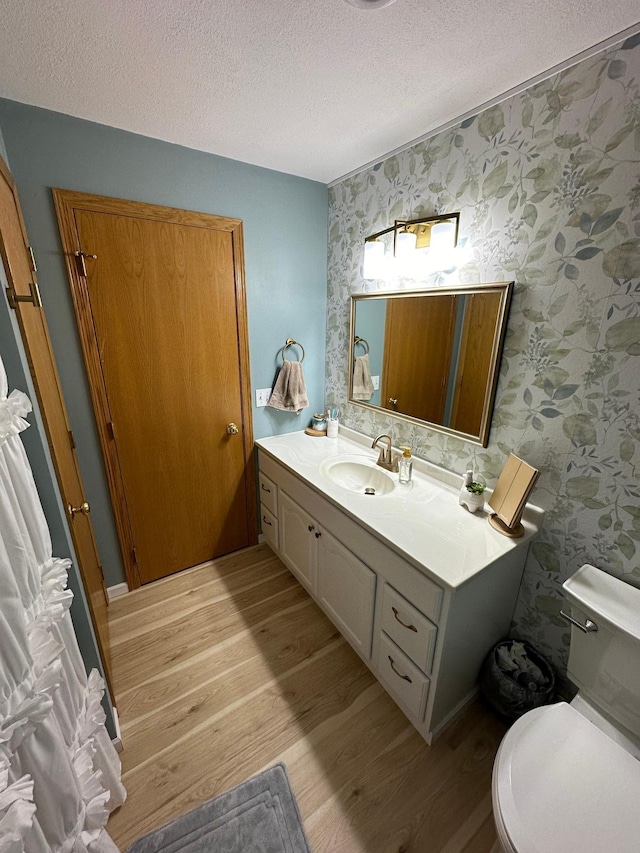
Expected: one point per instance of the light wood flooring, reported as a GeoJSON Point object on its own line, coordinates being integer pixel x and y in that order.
{"type": "Point", "coordinates": [225, 669]}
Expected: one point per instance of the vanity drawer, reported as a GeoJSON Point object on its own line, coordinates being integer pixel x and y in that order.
{"type": "Point", "coordinates": [269, 524]}
{"type": "Point", "coordinates": [268, 493]}
{"type": "Point", "coordinates": [407, 627]}
{"type": "Point", "coordinates": [402, 678]}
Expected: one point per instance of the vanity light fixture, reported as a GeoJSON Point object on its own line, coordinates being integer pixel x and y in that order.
{"type": "Point", "coordinates": [433, 232]}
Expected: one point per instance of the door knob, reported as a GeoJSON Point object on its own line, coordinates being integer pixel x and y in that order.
{"type": "Point", "coordinates": [84, 508]}
{"type": "Point", "coordinates": [393, 401]}
{"type": "Point", "coordinates": [232, 429]}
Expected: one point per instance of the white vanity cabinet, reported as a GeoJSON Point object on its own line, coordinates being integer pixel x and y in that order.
{"type": "Point", "coordinates": [342, 584]}
{"type": "Point", "coordinates": [269, 510]}
{"type": "Point", "coordinates": [423, 638]}
{"type": "Point", "coordinates": [299, 534]}
{"type": "Point", "coordinates": [346, 592]}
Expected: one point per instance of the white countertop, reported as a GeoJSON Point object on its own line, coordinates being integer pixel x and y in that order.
{"type": "Point", "coordinates": [423, 522]}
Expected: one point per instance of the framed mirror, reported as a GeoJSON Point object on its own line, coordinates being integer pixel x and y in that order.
{"type": "Point", "coordinates": [430, 356]}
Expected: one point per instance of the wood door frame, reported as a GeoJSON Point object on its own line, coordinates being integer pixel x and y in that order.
{"type": "Point", "coordinates": [66, 201]}
{"type": "Point", "coordinates": [102, 647]}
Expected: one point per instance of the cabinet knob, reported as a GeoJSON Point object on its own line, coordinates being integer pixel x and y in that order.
{"type": "Point", "coordinates": [311, 528]}
{"type": "Point", "coordinates": [318, 534]}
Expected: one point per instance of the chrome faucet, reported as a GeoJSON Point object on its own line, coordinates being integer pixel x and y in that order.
{"type": "Point", "coordinates": [387, 459]}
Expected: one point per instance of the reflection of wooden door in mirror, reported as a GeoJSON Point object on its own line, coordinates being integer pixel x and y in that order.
{"type": "Point", "coordinates": [474, 363]}
{"type": "Point", "coordinates": [418, 332]}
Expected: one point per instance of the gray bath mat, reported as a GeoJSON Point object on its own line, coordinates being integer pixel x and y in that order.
{"type": "Point", "coordinates": [259, 816]}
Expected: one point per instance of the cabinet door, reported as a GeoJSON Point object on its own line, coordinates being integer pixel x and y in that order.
{"type": "Point", "coordinates": [298, 542]}
{"type": "Point", "coordinates": [346, 589]}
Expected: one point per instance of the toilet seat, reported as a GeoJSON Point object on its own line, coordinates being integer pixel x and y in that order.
{"type": "Point", "coordinates": [560, 784]}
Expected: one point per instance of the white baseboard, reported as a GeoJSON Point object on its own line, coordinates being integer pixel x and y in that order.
{"type": "Point", "coordinates": [457, 711]}
{"type": "Point", "coordinates": [117, 590]}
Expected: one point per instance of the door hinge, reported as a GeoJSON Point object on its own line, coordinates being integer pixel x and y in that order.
{"type": "Point", "coordinates": [34, 296]}
{"type": "Point", "coordinates": [134, 554]}
{"type": "Point", "coordinates": [72, 440]}
{"type": "Point", "coordinates": [34, 268]}
{"type": "Point", "coordinates": [110, 431]}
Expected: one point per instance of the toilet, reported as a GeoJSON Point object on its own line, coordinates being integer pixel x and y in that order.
{"type": "Point", "coordinates": [567, 776]}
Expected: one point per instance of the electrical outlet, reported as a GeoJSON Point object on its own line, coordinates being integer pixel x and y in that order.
{"type": "Point", "coordinates": [376, 382]}
{"type": "Point", "coordinates": [262, 396]}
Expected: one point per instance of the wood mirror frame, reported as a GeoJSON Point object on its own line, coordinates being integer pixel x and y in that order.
{"type": "Point", "coordinates": [436, 352]}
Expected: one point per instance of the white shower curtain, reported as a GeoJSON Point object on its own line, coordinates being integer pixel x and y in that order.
{"type": "Point", "coordinates": [59, 772]}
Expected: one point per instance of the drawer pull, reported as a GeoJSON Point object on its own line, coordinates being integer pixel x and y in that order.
{"type": "Point", "coordinates": [318, 534]}
{"type": "Point", "coordinates": [311, 528]}
{"type": "Point", "coordinates": [399, 674]}
{"type": "Point", "coordinates": [267, 522]}
{"type": "Point", "coordinates": [264, 488]}
{"type": "Point", "coordinates": [404, 625]}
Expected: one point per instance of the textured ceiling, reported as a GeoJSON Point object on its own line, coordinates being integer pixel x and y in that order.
{"type": "Point", "coordinates": [311, 87]}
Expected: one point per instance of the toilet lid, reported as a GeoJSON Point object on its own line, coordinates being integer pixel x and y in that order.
{"type": "Point", "coordinates": [560, 784]}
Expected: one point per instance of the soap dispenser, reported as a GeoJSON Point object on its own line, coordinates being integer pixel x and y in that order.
{"type": "Point", "coordinates": [405, 464]}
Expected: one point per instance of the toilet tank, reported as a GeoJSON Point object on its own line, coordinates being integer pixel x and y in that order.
{"type": "Point", "coordinates": [605, 664]}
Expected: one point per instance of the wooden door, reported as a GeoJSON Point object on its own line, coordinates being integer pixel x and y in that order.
{"type": "Point", "coordinates": [21, 275]}
{"type": "Point", "coordinates": [472, 384]}
{"type": "Point", "coordinates": [418, 332]}
{"type": "Point", "coordinates": [161, 310]}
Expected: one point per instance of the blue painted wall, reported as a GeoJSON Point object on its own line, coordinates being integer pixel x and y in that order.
{"type": "Point", "coordinates": [285, 231]}
{"type": "Point", "coordinates": [3, 150]}
{"type": "Point", "coordinates": [16, 366]}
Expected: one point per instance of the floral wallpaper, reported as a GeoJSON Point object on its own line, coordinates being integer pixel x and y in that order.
{"type": "Point", "coordinates": [548, 185]}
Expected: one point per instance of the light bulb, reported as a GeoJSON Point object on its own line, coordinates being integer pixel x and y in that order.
{"type": "Point", "coordinates": [443, 235]}
{"type": "Point", "coordinates": [405, 244]}
{"type": "Point", "coordinates": [373, 259]}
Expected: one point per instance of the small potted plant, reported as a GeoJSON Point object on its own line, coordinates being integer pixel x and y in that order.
{"type": "Point", "coordinates": [472, 492]}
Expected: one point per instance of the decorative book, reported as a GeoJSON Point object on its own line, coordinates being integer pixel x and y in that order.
{"type": "Point", "coordinates": [510, 496]}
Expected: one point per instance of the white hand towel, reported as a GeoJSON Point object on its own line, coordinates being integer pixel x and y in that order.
{"type": "Point", "coordinates": [290, 392]}
{"type": "Point", "coordinates": [362, 384]}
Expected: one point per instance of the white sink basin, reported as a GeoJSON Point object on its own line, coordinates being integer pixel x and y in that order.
{"type": "Point", "coordinates": [357, 476]}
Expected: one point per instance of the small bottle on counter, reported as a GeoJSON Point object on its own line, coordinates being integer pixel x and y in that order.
{"type": "Point", "coordinates": [405, 465]}
{"type": "Point", "coordinates": [319, 422]}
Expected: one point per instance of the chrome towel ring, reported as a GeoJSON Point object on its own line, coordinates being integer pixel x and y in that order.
{"type": "Point", "coordinates": [291, 343]}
